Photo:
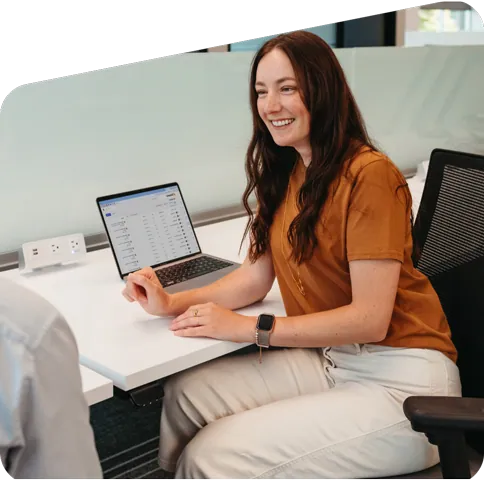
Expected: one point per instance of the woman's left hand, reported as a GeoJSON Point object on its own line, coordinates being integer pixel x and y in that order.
{"type": "Point", "coordinates": [212, 321]}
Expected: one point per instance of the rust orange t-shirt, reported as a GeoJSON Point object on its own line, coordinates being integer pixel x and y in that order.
{"type": "Point", "coordinates": [364, 218]}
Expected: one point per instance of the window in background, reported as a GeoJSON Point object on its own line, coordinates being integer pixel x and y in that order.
{"type": "Point", "coordinates": [433, 20]}
{"type": "Point", "coordinates": [444, 23]}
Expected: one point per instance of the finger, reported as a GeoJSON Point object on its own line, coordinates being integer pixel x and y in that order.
{"type": "Point", "coordinates": [193, 311]}
{"type": "Point", "coordinates": [145, 271]}
{"type": "Point", "coordinates": [131, 289]}
{"type": "Point", "coordinates": [188, 323]}
{"type": "Point", "coordinates": [189, 313]}
{"type": "Point", "coordinates": [127, 296]}
{"type": "Point", "coordinates": [145, 284]}
{"type": "Point", "coordinates": [197, 331]}
{"type": "Point", "coordinates": [142, 280]}
{"type": "Point", "coordinates": [137, 292]}
{"type": "Point", "coordinates": [150, 274]}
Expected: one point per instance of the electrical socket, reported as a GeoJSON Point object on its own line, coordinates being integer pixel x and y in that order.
{"type": "Point", "coordinates": [55, 246]}
{"type": "Point", "coordinates": [49, 252]}
{"type": "Point", "coordinates": [76, 243]}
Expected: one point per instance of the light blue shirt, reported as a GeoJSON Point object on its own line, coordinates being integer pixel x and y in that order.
{"type": "Point", "coordinates": [44, 418]}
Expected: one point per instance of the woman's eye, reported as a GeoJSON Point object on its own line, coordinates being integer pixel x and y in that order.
{"type": "Point", "coordinates": [288, 89]}
{"type": "Point", "coordinates": [260, 93]}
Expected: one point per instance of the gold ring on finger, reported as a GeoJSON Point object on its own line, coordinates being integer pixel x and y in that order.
{"type": "Point", "coordinates": [195, 313]}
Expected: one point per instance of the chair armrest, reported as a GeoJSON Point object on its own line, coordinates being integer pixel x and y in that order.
{"type": "Point", "coordinates": [445, 413]}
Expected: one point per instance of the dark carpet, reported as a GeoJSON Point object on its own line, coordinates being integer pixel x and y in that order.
{"type": "Point", "coordinates": [127, 439]}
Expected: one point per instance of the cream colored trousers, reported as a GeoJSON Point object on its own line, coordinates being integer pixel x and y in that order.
{"type": "Point", "coordinates": [302, 413]}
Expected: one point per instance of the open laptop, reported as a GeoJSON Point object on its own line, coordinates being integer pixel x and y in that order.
{"type": "Point", "coordinates": [152, 227]}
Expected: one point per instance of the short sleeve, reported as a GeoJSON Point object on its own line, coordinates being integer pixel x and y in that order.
{"type": "Point", "coordinates": [378, 217]}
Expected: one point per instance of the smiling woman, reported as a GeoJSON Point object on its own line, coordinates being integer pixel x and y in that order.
{"type": "Point", "coordinates": [363, 329]}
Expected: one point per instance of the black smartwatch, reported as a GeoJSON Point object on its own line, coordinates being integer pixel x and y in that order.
{"type": "Point", "coordinates": [263, 329]}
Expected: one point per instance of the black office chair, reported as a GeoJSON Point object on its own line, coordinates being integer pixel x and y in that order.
{"type": "Point", "coordinates": [449, 230]}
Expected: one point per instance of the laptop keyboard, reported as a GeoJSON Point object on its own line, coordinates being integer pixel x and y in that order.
{"type": "Point", "coordinates": [189, 269]}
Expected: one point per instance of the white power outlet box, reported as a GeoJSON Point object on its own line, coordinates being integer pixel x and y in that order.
{"type": "Point", "coordinates": [50, 252]}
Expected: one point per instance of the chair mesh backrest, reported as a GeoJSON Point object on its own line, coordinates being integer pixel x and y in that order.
{"type": "Point", "coordinates": [456, 232]}
{"type": "Point", "coordinates": [449, 231]}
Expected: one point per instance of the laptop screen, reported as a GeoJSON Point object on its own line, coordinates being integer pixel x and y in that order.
{"type": "Point", "coordinates": [148, 228]}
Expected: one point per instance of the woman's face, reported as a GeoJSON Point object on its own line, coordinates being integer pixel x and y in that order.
{"type": "Point", "coordinates": [279, 102]}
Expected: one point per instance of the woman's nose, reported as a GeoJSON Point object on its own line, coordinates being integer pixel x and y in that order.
{"type": "Point", "coordinates": [273, 103]}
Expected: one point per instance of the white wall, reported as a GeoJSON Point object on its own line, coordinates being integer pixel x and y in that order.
{"type": "Point", "coordinates": [67, 141]}
{"type": "Point", "coordinates": [186, 118]}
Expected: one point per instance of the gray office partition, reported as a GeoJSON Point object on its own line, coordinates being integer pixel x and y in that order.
{"type": "Point", "coordinates": [186, 118]}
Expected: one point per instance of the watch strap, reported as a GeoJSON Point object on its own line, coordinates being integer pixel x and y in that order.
{"type": "Point", "coordinates": [263, 338]}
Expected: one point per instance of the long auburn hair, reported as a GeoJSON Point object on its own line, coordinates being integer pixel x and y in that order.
{"type": "Point", "coordinates": [337, 134]}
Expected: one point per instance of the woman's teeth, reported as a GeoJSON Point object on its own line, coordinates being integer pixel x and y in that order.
{"type": "Point", "coordinates": [282, 122]}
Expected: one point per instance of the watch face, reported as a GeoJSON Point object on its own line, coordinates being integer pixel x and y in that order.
{"type": "Point", "coordinates": [265, 322]}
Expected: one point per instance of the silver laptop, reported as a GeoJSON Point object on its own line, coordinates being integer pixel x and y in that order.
{"type": "Point", "coordinates": [152, 227]}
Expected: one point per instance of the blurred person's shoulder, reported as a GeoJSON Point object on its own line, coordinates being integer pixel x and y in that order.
{"type": "Point", "coordinates": [25, 316]}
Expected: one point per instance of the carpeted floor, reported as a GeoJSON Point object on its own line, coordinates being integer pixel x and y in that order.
{"type": "Point", "coordinates": [127, 439]}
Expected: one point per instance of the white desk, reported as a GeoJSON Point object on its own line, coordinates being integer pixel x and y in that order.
{"type": "Point", "coordinates": [96, 388]}
{"type": "Point", "coordinates": [118, 339]}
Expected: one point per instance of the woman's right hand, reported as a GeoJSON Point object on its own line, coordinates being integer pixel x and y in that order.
{"type": "Point", "coordinates": [144, 287]}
